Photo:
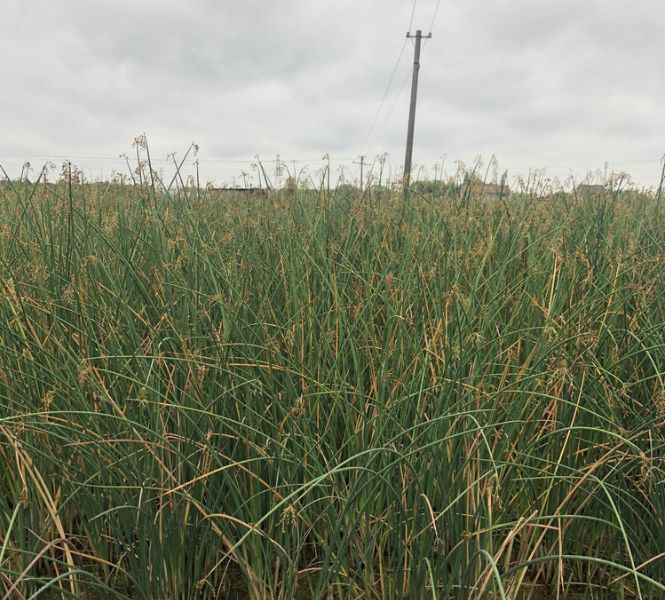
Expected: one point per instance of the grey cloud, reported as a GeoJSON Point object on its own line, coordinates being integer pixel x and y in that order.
{"type": "Point", "coordinates": [522, 77]}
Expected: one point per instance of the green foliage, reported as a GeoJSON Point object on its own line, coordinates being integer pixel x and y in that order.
{"type": "Point", "coordinates": [289, 394]}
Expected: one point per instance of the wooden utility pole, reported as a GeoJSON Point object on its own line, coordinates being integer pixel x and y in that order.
{"type": "Point", "coordinates": [412, 108]}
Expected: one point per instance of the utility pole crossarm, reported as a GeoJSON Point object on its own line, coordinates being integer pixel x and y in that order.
{"type": "Point", "coordinates": [412, 108]}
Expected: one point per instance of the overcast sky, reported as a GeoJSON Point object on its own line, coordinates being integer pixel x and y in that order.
{"type": "Point", "coordinates": [563, 85]}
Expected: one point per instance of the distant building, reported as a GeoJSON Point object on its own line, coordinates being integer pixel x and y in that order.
{"type": "Point", "coordinates": [236, 190]}
{"type": "Point", "coordinates": [590, 190]}
{"type": "Point", "coordinates": [478, 188]}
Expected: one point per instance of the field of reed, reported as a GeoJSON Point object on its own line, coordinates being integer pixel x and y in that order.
{"type": "Point", "coordinates": [311, 394]}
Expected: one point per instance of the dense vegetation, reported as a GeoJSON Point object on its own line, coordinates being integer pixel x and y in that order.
{"type": "Point", "coordinates": [312, 395]}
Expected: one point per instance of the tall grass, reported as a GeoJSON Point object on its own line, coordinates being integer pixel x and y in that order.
{"type": "Point", "coordinates": [312, 395]}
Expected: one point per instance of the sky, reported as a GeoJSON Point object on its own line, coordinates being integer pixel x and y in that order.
{"type": "Point", "coordinates": [561, 90]}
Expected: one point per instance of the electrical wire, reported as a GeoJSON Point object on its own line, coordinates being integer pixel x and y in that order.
{"type": "Point", "coordinates": [392, 76]}
{"type": "Point", "coordinates": [413, 12]}
{"type": "Point", "coordinates": [385, 95]}
{"type": "Point", "coordinates": [52, 157]}
{"type": "Point", "coordinates": [385, 120]}
{"type": "Point", "coordinates": [436, 10]}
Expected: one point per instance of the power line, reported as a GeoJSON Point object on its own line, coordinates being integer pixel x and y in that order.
{"type": "Point", "coordinates": [436, 10]}
{"type": "Point", "coordinates": [413, 12]}
{"type": "Point", "coordinates": [315, 160]}
{"type": "Point", "coordinates": [385, 120]}
{"type": "Point", "coordinates": [385, 94]}
{"type": "Point", "coordinates": [30, 155]}
{"type": "Point", "coordinates": [53, 156]}
{"type": "Point", "coordinates": [431, 25]}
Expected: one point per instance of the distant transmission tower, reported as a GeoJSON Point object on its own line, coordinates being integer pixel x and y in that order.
{"type": "Point", "coordinates": [278, 173]}
{"type": "Point", "coordinates": [362, 164]}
